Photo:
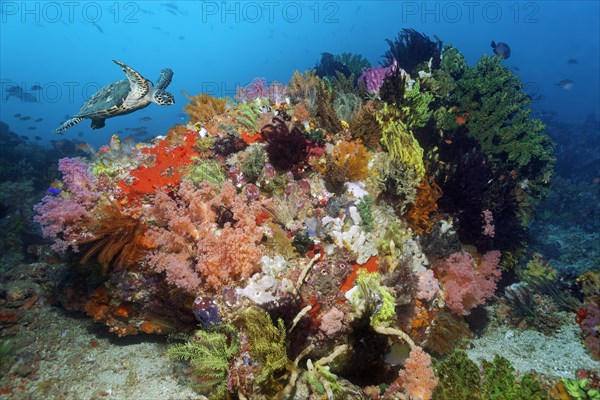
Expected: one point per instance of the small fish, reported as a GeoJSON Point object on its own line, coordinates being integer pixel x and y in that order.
{"type": "Point", "coordinates": [181, 37]}
{"type": "Point", "coordinates": [145, 119]}
{"type": "Point", "coordinates": [38, 138]}
{"type": "Point", "coordinates": [98, 26]}
{"type": "Point", "coordinates": [31, 128]}
{"type": "Point", "coordinates": [460, 120]}
{"type": "Point", "coordinates": [80, 134]}
{"type": "Point", "coordinates": [516, 68]}
{"type": "Point", "coordinates": [572, 61]}
{"type": "Point", "coordinates": [66, 117]}
{"type": "Point", "coordinates": [501, 49]}
{"type": "Point", "coordinates": [25, 118]}
{"type": "Point", "coordinates": [566, 84]}
{"type": "Point", "coordinates": [39, 120]}
{"type": "Point", "coordinates": [24, 137]}
{"type": "Point", "coordinates": [17, 115]}
{"type": "Point", "coordinates": [54, 191]}
{"type": "Point", "coordinates": [36, 87]}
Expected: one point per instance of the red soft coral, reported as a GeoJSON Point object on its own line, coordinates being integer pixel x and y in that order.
{"type": "Point", "coordinates": [466, 283]}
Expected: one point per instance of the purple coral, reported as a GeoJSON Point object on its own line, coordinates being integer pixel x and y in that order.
{"type": "Point", "coordinates": [61, 216]}
{"type": "Point", "coordinates": [254, 90]}
{"type": "Point", "coordinates": [374, 76]}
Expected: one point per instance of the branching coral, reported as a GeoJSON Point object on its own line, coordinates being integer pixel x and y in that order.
{"type": "Point", "coordinates": [499, 120]}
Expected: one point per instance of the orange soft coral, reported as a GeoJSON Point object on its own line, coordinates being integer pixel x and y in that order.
{"type": "Point", "coordinates": [203, 107]}
{"type": "Point", "coordinates": [355, 156]}
{"type": "Point", "coordinates": [419, 216]}
{"type": "Point", "coordinates": [418, 378]}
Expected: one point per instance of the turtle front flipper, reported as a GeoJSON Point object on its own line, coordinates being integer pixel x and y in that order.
{"type": "Point", "coordinates": [98, 123]}
{"type": "Point", "coordinates": [166, 75]}
{"type": "Point", "coordinates": [138, 84]}
{"type": "Point", "coordinates": [67, 124]}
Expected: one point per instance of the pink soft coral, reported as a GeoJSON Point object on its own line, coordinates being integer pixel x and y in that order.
{"type": "Point", "coordinates": [61, 216]}
{"type": "Point", "coordinates": [205, 237]}
{"type": "Point", "coordinates": [466, 283]}
{"type": "Point", "coordinates": [417, 376]}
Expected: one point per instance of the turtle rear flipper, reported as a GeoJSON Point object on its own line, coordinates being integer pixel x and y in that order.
{"type": "Point", "coordinates": [98, 123]}
{"type": "Point", "coordinates": [166, 75]}
{"type": "Point", "coordinates": [67, 124]}
{"type": "Point", "coordinates": [138, 84]}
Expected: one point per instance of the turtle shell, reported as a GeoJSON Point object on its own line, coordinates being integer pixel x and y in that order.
{"type": "Point", "coordinates": [106, 102]}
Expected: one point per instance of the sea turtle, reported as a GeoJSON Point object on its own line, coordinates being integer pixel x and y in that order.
{"type": "Point", "coordinates": [123, 97]}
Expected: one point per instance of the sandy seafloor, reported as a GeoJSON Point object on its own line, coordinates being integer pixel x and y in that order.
{"type": "Point", "coordinates": [64, 355]}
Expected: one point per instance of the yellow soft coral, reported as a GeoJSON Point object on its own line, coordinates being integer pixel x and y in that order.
{"type": "Point", "coordinates": [399, 141]}
{"type": "Point", "coordinates": [203, 107]}
{"type": "Point", "coordinates": [356, 158]}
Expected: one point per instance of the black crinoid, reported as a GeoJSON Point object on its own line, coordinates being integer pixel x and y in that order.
{"type": "Point", "coordinates": [286, 148]}
{"type": "Point", "coordinates": [412, 48]}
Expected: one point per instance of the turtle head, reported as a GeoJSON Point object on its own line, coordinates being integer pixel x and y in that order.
{"type": "Point", "coordinates": [163, 98]}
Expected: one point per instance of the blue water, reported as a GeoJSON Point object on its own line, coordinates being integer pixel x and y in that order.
{"type": "Point", "coordinates": [67, 48]}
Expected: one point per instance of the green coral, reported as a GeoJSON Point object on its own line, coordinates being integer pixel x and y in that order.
{"type": "Point", "coordinates": [499, 119]}
{"type": "Point", "coordinates": [537, 270]}
{"type": "Point", "coordinates": [247, 116]}
{"type": "Point", "coordinates": [369, 296]}
{"type": "Point", "coordinates": [580, 389]}
{"type": "Point", "coordinates": [253, 165]}
{"type": "Point", "coordinates": [209, 353]}
{"type": "Point", "coordinates": [355, 62]}
{"type": "Point", "coordinates": [205, 170]}
{"type": "Point", "coordinates": [267, 345]}
{"type": "Point", "coordinates": [364, 210]}
{"type": "Point", "coordinates": [460, 379]}
{"type": "Point", "coordinates": [346, 105]}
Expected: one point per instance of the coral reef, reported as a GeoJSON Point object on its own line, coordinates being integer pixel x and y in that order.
{"type": "Point", "coordinates": [324, 238]}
